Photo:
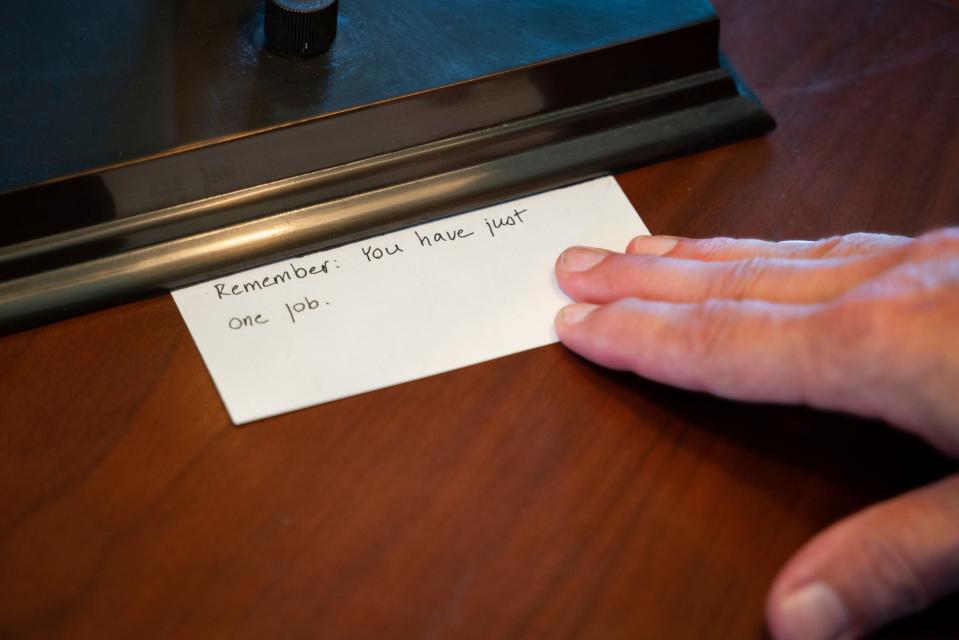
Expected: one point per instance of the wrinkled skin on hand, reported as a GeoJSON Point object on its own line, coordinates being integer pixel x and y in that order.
{"type": "Point", "coordinates": [863, 323]}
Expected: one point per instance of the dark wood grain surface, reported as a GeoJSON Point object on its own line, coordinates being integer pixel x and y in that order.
{"type": "Point", "coordinates": [535, 495]}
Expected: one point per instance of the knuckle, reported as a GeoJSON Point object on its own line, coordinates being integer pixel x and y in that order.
{"type": "Point", "coordinates": [911, 286]}
{"type": "Point", "coordinates": [897, 572]}
{"type": "Point", "coordinates": [941, 242]}
{"type": "Point", "coordinates": [707, 328]}
{"type": "Point", "coordinates": [860, 238]}
{"type": "Point", "coordinates": [853, 323]}
{"type": "Point", "coordinates": [713, 246]}
{"type": "Point", "coordinates": [827, 246]}
{"type": "Point", "coordinates": [858, 242]}
{"type": "Point", "coordinates": [635, 270]}
{"type": "Point", "coordinates": [741, 279]}
{"type": "Point", "coordinates": [856, 335]}
{"type": "Point", "coordinates": [949, 234]}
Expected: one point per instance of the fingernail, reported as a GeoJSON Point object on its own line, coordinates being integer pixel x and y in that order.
{"type": "Point", "coordinates": [654, 245]}
{"type": "Point", "coordinates": [576, 313]}
{"type": "Point", "coordinates": [582, 258]}
{"type": "Point", "coordinates": [813, 612]}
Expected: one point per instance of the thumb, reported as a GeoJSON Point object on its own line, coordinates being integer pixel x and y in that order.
{"type": "Point", "coordinates": [886, 562]}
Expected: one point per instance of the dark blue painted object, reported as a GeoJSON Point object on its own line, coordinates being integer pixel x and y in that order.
{"type": "Point", "coordinates": [97, 82]}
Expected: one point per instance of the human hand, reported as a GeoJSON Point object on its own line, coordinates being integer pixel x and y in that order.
{"type": "Point", "coordinates": [862, 323]}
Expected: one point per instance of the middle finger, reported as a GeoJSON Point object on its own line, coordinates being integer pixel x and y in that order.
{"type": "Point", "coordinates": [599, 277]}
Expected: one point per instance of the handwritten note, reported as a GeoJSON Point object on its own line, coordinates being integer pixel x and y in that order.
{"type": "Point", "coordinates": [397, 307]}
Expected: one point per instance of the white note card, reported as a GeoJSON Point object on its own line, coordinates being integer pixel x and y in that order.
{"type": "Point", "coordinates": [398, 307]}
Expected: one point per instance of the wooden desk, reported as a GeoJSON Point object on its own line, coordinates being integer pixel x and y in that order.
{"type": "Point", "coordinates": [536, 495]}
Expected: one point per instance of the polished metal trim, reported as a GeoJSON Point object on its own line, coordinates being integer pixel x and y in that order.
{"type": "Point", "coordinates": [216, 252]}
{"type": "Point", "coordinates": [194, 211]}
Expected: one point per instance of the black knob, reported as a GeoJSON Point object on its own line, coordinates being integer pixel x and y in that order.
{"type": "Point", "coordinates": [300, 28]}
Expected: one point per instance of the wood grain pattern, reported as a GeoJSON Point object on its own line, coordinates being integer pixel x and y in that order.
{"type": "Point", "coordinates": [536, 495]}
